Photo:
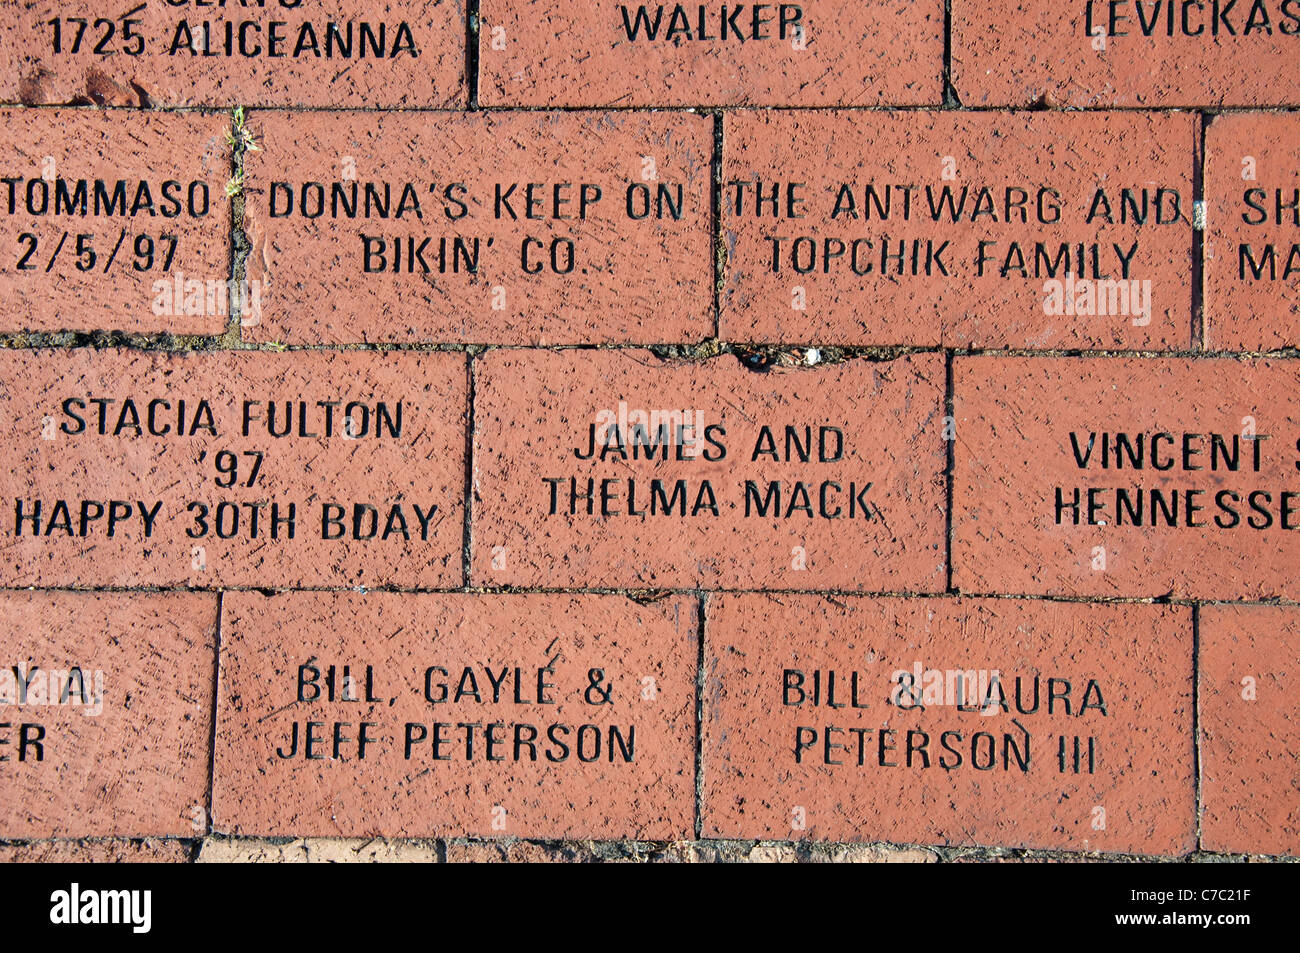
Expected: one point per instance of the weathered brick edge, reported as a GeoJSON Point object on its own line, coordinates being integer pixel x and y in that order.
{"type": "Point", "coordinates": [217, 849]}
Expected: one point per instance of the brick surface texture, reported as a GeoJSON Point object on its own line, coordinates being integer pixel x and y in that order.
{"type": "Point", "coordinates": [511, 431]}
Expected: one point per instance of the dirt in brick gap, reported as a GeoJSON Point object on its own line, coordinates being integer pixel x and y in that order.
{"type": "Point", "coordinates": [216, 849]}
{"type": "Point", "coordinates": [764, 357]}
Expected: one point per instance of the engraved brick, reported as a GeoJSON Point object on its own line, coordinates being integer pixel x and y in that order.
{"type": "Point", "coordinates": [601, 53]}
{"type": "Point", "coordinates": [114, 221]}
{"type": "Point", "coordinates": [1252, 245]}
{"type": "Point", "coordinates": [1122, 53]}
{"type": "Point", "coordinates": [620, 469]}
{"type": "Point", "coordinates": [1126, 477]}
{"type": "Point", "coordinates": [1034, 230]}
{"type": "Point", "coordinates": [105, 714]}
{"type": "Point", "coordinates": [231, 468]}
{"type": "Point", "coordinates": [993, 722]}
{"type": "Point", "coordinates": [539, 228]}
{"type": "Point", "coordinates": [482, 715]}
{"type": "Point", "coordinates": [393, 54]}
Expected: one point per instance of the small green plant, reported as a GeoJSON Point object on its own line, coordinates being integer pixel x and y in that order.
{"type": "Point", "coordinates": [235, 185]}
{"type": "Point", "coordinates": [242, 138]}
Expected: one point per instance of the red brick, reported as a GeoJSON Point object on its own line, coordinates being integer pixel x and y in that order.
{"type": "Point", "coordinates": [1249, 729]}
{"type": "Point", "coordinates": [48, 460]}
{"type": "Point", "coordinates": [643, 654]}
{"type": "Point", "coordinates": [1252, 172]}
{"type": "Point", "coordinates": [1043, 51]}
{"type": "Point", "coordinates": [630, 280]}
{"type": "Point", "coordinates": [1135, 660]}
{"type": "Point", "coordinates": [793, 261]}
{"type": "Point", "coordinates": [534, 53]}
{"type": "Point", "coordinates": [1014, 451]}
{"type": "Point", "coordinates": [129, 758]}
{"type": "Point", "coordinates": [535, 412]}
{"type": "Point", "coordinates": [316, 850]}
{"type": "Point", "coordinates": [79, 255]}
{"type": "Point", "coordinates": [507, 852]}
{"type": "Point", "coordinates": [100, 851]}
{"type": "Point", "coordinates": [287, 57]}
